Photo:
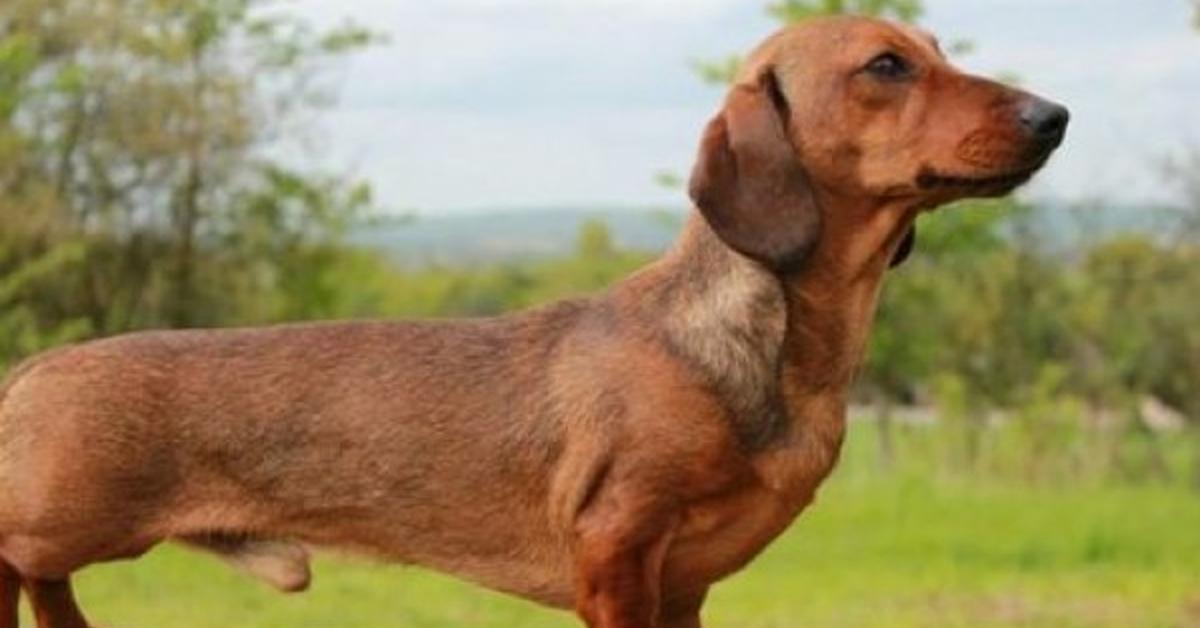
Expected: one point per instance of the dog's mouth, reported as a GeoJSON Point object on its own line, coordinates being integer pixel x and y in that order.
{"type": "Point", "coordinates": [930, 179]}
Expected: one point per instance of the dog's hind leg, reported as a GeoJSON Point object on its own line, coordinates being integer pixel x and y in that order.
{"type": "Point", "coordinates": [10, 593]}
{"type": "Point", "coordinates": [280, 563]}
{"type": "Point", "coordinates": [54, 604]}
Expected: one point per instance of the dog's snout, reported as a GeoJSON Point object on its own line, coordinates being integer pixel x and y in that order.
{"type": "Point", "coordinates": [1045, 121]}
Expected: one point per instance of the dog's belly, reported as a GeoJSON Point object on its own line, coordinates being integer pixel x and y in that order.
{"type": "Point", "coordinates": [546, 580]}
{"type": "Point", "coordinates": [518, 554]}
{"type": "Point", "coordinates": [529, 564]}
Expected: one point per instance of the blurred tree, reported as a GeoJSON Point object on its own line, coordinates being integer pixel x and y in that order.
{"type": "Point", "coordinates": [1184, 172]}
{"type": "Point", "coordinates": [917, 329]}
{"type": "Point", "coordinates": [1191, 181]}
{"type": "Point", "coordinates": [789, 11]}
{"type": "Point", "coordinates": [595, 240]}
{"type": "Point", "coordinates": [1178, 318]}
{"type": "Point", "coordinates": [147, 134]}
{"type": "Point", "coordinates": [22, 332]}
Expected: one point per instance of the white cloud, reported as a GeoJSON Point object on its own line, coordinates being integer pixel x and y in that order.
{"type": "Point", "coordinates": [436, 161]}
{"type": "Point", "coordinates": [580, 102]}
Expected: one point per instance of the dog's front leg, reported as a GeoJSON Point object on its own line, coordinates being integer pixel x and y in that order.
{"type": "Point", "coordinates": [620, 547]}
{"type": "Point", "coordinates": [10, 591]}
{"type": "Point", "coordinates": [682, 611]}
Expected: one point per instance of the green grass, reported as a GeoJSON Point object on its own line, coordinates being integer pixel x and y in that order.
{"type": "Point", "coordinates": [901, 549]}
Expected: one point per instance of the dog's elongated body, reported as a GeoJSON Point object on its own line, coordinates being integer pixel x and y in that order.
{"type": "Point", "coordinates": [617, 454]}
{"type": "Point", "coordinates": [322, 434]}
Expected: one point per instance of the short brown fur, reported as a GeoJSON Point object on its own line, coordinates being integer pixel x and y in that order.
{"type": "Point", "coordinates": [617, 454]}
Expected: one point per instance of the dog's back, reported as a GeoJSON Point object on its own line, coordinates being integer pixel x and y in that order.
{"type": "Point", "coordinates": [395, 439]}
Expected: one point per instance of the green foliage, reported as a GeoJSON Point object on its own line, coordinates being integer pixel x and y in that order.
{"type": "Point", "coordinates": [719, 72]}
{"type": "Point", "coordinates": [133, 134]}
{"type": "Point", "coordinates": [23, 328]}
{"type": "Point", "coordinates": [448, 291]}
{"type": "Point", "coordinates": [595, 241]}
{"type": "Point", "coordinates": [921, 306]}
{"type": "Point", "coordinates": [796, 10]}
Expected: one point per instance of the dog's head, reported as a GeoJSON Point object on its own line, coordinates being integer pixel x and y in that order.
{"type": "Point", "coordinates": [858, 111]}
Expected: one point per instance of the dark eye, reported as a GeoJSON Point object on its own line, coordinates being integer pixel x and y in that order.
{"type": "Point", "coordinates": [889, 65]}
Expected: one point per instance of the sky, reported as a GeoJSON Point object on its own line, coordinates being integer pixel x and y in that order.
{"type": "Point", "coordinates": [490, 104]}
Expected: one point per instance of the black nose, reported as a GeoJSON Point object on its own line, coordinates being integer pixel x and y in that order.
{"type": "Point", "coordinates": [1044, 120]}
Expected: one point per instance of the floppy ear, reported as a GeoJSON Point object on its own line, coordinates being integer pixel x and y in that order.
{"type": "Point", "coordinates": [748, 181]}
{"type": "Point", "coordinates": [906, 247]}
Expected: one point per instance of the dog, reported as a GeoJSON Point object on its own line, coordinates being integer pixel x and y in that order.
{"type": "Point", "coordinates": [616, 454]}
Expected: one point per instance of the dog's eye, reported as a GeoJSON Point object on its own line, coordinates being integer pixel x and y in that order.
{"type": "Point", "coordinates": [889, 65]}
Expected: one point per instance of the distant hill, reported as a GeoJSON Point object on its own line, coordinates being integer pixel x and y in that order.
{"type": "Point", "coordinates": [1066, 225]}
{"type": "Point", "coordinates": [513, 234]}
{"type": "Point", "coordinates": [489, 236]}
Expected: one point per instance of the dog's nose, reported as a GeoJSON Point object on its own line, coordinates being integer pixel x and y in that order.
{"type": "Point", "coordinates": [1045, 121]}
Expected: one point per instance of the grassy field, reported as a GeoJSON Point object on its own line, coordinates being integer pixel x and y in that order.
{"type": "Point", "coordinates": [909, 548]}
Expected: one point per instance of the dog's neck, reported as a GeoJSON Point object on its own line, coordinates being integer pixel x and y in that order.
{"type": "Point", "coordinates": [780, 351]}
{"type": "Point", "coordinates": [830, 306]}
{"type": "Point", "coordinates": [725, 316]}
{"type": "Point", "coordinates": [831, 300]}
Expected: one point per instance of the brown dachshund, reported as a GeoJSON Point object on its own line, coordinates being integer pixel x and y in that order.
{"type": "Point", "coordinates": [616, 454]}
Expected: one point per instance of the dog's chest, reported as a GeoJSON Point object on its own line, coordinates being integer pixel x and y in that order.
{"type": "Point", "coordinates": [719, 536]}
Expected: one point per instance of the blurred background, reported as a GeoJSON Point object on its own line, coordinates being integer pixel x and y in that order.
{"type": "Point", "coordinates": [1025, 442]}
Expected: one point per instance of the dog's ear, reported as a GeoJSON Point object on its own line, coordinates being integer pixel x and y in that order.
{"type": "Point", "coordinates": [748, 181]}
{"type": "Point", "coordinates": [906, 247]}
